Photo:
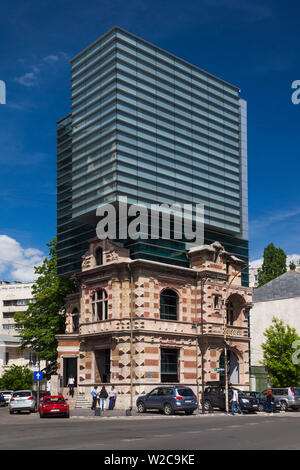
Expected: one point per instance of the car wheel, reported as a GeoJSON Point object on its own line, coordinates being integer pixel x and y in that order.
{"type": "Point", "coordinates": [67, 415]}
{"type": "Point", "coordinates": [207, 405]}
{"type": "Point", "coordinates": [168, 410]}
{"type": "Point", "coordinates": [11, 412]}
{"type": "Point", "coordinates": [261, 407]}
{"type": "Point", "coordinates": [42, 416]}
{"type": "Point", "coordinates": [141, 407]}
{"type": "Point", "coordinates": [284, 405]}
{"type": "Point", "coordinates": [189, 412]}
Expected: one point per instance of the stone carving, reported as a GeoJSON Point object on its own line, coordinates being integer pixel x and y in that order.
{"type": "Point", "coordinates": [69, 323]}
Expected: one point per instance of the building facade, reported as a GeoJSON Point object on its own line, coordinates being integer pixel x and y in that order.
{"type": "Point", "coordinates": [137, 324]}
{"type": "Point", "coordinates": [279, 298]}
{"type": "Point", "coordinates": [14, 297]}
{"type": "Point", "coordinates": [148, 126]}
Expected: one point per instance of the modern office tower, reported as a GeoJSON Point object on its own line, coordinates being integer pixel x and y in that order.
{"type": "Point", "coordinates": [149, 126]}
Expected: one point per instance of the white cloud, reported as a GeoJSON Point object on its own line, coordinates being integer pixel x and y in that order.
{"type": "Point", "coordinates": [17, 263]}
{"type": "Point", "coordinates": [257, 263]}
{"type": "Point", "coordinates": [31, 78]}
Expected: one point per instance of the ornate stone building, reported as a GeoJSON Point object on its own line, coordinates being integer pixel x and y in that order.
{"type": "Point", "coordinates": [137, 324]}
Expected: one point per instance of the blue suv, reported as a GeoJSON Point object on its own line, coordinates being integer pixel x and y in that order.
{"type": "Point", "coordinates": [169, 400]}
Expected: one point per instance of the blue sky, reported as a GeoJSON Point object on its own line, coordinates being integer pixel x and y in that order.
{"type": "Point", "coordinates": [251, 44]}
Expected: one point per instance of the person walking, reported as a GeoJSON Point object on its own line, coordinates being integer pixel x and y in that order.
{"type": "Point", "coordinates": [235, 402]}
{"type": "Point", "coordinates": [103, 396]}
{"type": "Point", "coordinates": [71, 384]}
{"type": "Point", "coordinates": [112, 398]}
{"type": "Point", "coordinates": [269, 401]}
{"type": "Point", "coordinates": [95, 396]}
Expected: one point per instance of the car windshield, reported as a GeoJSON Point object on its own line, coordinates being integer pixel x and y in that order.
{"type": "Point", "coordinates": [54, 400]}
{"type": "Point", "coordinates": [185, 392]}
{"type": "Point", "coordinates": [22, 394]}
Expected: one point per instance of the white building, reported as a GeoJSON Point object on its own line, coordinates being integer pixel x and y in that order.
{"type": "Point", "coordinates": [279, 298]}
{"type": "Point", "coordinates": [14, 297]}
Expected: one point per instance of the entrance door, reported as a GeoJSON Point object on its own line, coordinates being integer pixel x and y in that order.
{"type": "Point", "coordinates": [70, 369]}
{"type": "Point", "coordinates": [102, 370]}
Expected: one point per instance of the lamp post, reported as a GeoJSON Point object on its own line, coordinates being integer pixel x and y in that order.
{"type": "Point", "coordinates": [202, 283]}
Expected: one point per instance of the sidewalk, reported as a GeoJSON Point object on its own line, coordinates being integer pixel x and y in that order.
{"type": "Point", "coordinates": [88, 413]}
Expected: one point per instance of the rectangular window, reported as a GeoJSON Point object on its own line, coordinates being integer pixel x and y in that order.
{"type": "Point", "coordinates": [169, 370]}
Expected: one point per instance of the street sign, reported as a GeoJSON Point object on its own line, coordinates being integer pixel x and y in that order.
{"type": "Point", "coordinates": [219, 369]}
{"type": "Point", "coordinates": [38, 375]}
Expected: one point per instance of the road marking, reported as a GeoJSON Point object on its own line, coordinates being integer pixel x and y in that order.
{"type": "Point", "coordinates": [214, 429]}
{"type": "Point", "coordinates": [163, 435]}
{"type": "Point", "coordinates": [133, 439]}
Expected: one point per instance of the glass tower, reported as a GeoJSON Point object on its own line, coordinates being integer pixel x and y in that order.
{"type": "Point", "coordinates": [149, 126]}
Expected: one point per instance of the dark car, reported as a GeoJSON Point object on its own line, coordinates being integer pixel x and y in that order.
{"type": "Point", "coordinates": [214, 397]}
{"type": "Point", "coordinates": [2, 400]}
{"type": "Point", "coordinates": [261, 397]}
{"type": "Point", "coordinates": [43, 394]}
{"type": "Point", "coordinates": [169, 400]}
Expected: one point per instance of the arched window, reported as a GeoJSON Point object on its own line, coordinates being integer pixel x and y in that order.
{"type": "Point", "coordinates": [99, 256]}
{"type": "Point", "coordinates": [75, 316]}
{"type": "Point", "coordinates": [230, 313]}
{"type": "Point", "coordinates": [100, 305]}
{"type": "Point", "coordinates": [168, 305]}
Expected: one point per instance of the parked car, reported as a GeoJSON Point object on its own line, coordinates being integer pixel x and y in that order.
{"type": "Point", "coordinates": [43, 394]}
{"type": "Point", "coordinates": [2, 400]}
{"type": "Point", "coordinates": [214, 397]}
{"type": "Point", "coordinates": [169, 400]}
{"type": "Point", "coordinates": [289, 397]}
{"type": "Point", "coordinates": [7, 395]}
{"type": "Point", "coordinates": [23, 400]}
{"type": "Point", "coordinates": [54, 405]}
{"type": "Point", "coordinates": [261, 397]}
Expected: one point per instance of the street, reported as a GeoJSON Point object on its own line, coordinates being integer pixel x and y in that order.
{"type": "Point", "coordinates": [150, 432]}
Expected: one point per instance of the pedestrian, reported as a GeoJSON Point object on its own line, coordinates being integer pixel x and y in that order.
{"type": "Point", "coordinates": [95, 396]}
{"type": "Point", "coordinates": [103, 396]}
{"type": "Point", "coordinates": [269, 401]}
{"type": "Point", "coordinates": [71, 384]}
{"type": "Point", "coordinates": [112, 398]}
{"type": "Point", "coordinates": [235, 402]}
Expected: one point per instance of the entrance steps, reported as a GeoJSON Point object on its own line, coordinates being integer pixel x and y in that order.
{"type": "Point", "coordinates": [82, 401]}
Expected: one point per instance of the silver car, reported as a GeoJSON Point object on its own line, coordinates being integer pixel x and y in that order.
{"type": "Point", "coordinates": [23, 400]}
{"type": "Point", "coordinates": [289, 397]}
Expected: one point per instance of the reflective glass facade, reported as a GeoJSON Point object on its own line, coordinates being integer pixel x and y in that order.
{"type": "Point", "coordinates": [149, 126]}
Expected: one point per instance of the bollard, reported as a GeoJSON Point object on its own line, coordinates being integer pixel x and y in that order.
{"type": "Point", "coordinates": [128, 412]}
{"type": "Point", "coordinates": [97, 412]}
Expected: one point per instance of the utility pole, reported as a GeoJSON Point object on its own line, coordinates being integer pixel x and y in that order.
{"type": "Point", "coordinates": [202, 283]}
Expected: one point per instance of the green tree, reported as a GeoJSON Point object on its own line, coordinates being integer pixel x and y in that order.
{"type": "Point", "coordinates": [292, 266]}
{"type": "Point", "coordinates": [42, 320]}
{"type": "Point", "coordinates": [274, 264]}
{"type": "Point", "coordinates": [17, 378]}
{"type": "Point", "coordinates": [279, 352]}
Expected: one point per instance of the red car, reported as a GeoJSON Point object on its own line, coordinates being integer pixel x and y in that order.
{"type": "Point", "coordinates": [54, 405]}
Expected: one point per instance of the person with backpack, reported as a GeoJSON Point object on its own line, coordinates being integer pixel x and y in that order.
{"type": "Point", "coordinates": [103, 396]}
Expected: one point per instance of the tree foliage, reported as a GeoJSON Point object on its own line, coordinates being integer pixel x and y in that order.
{"type": "Point", "coordinates": [42, 320]}
{"type": "Point", "coordinates": [274, 264]}
{"type": "Point", "coordinates": [17, 378]}
{"type": "Point", "coordinates": [292, 266]}
{"type": "Point", "coordinates": [279, 354]}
